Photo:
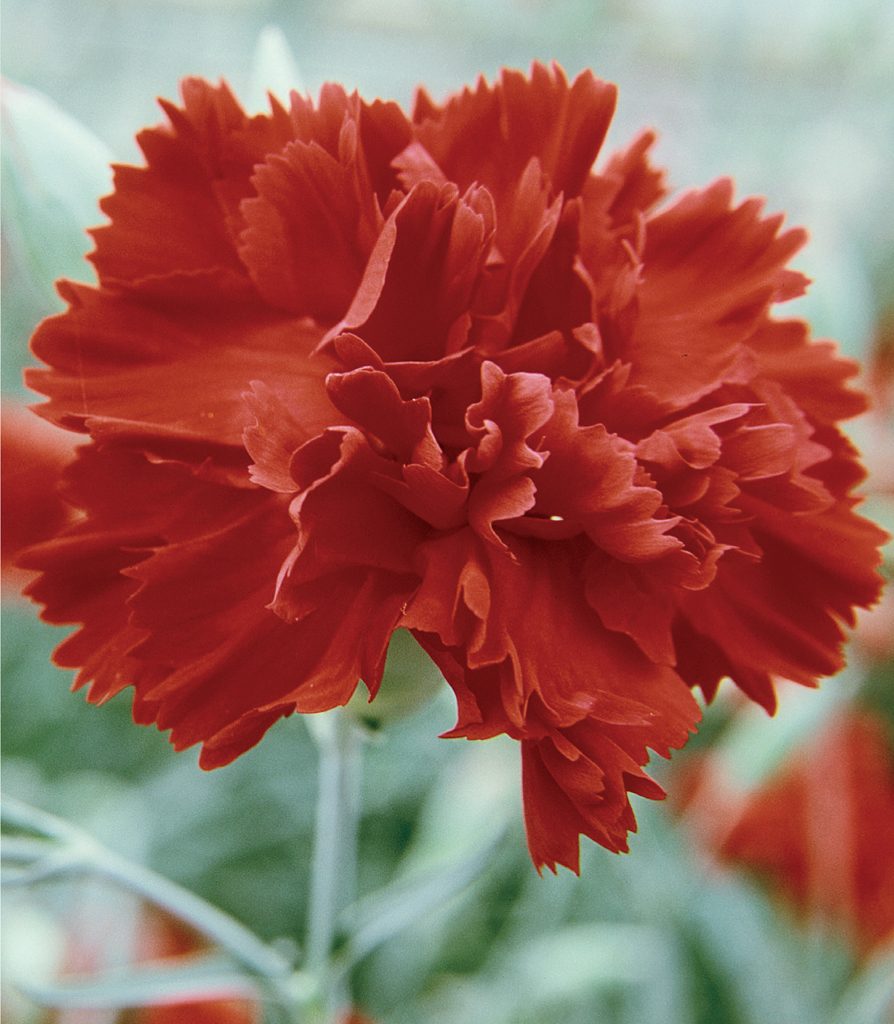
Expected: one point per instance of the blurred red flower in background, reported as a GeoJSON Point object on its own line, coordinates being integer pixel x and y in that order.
{"type": "Point", "coordinates": [354, 1016]}
{"type": "Point", "coordinates": [159, 940]}
{"type": "Point", "coordinates": [347, 370]}
{"type": "Point", "coordinates": [819, 831]}
{"type": "Point", "coordinates": [34, 454]}
{"type": "Point", "coordinates": [163, 938]}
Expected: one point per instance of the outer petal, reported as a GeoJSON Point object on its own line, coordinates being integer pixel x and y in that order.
{"type": "Point", "coordinates": [615, 202]}
{"type": "Point", "coordinates": [384, 132]}
{"type": "Point", "coordinates": [171, 578]}
{"type": "Point", "coordinates": [588, 769]}
{"type": "Point", "coordinates": [488, 135]}
{"type": "Point", "coordinates": [569, 792]}
{"type": "Point", "coordinates": [783, 615]}
{"type": "Point", "coordinates": [175, 216]}
{"type": "Point", "coordinates": [169, 378]}
{"type": "Point", "coordinates": [557, 296]}
{"type": "Point", "coordinates": [811, 372]}
{"type": "Point", "coordinates": [524, 612]}
{"type": "Point", "coordinates": [130, 508]}
{"type": "Point", "coordinates": [629, 185]}
{"type": "Point", "coordinates": [526, 226]}
{"type": "Point", "coordinates": [309, 665]}
{"type": "Point", "coordinates": [710, 272]}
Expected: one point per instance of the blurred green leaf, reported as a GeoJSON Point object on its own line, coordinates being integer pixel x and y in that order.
{"type": "Point", "coordinates": [273, 69]}
{"type": "Point", "coordinates": [44, 722]}
{"type": "Point", "coordinates": [410, 683]}
{"type": "Point", "coordinates": [378, 917]}
{"type": "Point", "coordinates": [869, 999]}
{"type": "Point", "coordinates": [572, 960]}
{"type": "Point", "coordinates": [54, 171]}
{"type": "Point", "coordinates": [471, 803]}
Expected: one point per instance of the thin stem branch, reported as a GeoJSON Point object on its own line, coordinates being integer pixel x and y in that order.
{"type": "Point", "coordinates": [333, 870]}
{"type": "Point", "coordinates": [86, 854]}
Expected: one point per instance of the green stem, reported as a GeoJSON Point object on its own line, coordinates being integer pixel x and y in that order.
{"type": "Point", "coordinates": [334, 865]}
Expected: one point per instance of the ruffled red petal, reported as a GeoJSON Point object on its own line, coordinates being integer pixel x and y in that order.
{"type": "Point", "coordinates": [422, 275]}
{"type": "Point", "coordinates": [713, 270]}
{"type": "Point", "coordinates": [783, 615]}
{"type": "Point", "coordinates": [143, 592]}
{"type": "Point", "coordinates": [488, 135]}
{"type": "Point", "coordinates": [169, 378]}
{"type": "Point", "coordinates": [308, 258]}
{"type": "Point", "coordinates": [534, 661]}
{"type": "Point", "coordinates": [591, 477]}
{"type": "Point", "coordinates": [176, 216]}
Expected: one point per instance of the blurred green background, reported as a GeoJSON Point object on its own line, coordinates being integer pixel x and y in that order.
{"type": "Point", "coordinates": [793, 98]}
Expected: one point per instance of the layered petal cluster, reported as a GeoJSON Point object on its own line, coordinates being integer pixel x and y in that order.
{"type": "Point", "coordinates": [347, 370]}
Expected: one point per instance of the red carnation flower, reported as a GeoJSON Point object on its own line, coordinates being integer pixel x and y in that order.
{"type": "Point", "coordinates": [347, 370]}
